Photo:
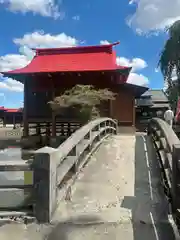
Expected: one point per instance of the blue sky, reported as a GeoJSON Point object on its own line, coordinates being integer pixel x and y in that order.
{"type": "Point", "coordinates": [138, 25]}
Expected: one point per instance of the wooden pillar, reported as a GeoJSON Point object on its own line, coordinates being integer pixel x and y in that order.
{"type": "Point", "coordinates": [38, 130]}
{"type": "Point", "coordinates": [134, 113]}
{"type": "Point", "coordinates": [53, 124]}
{"type": "Point", "coordinates": [4, 120]}
{"type": "Point", "coordinates": [25, 117]}
{"type": "Point", "coordinates": [53, 116]}
{"type": "Point", "coordinates": [110, 108]}
{"type": "Point", "coordinates": [14, 121]}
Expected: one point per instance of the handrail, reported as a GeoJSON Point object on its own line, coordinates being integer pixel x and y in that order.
{"type": "Point", "coordinates": [52, 165]}
{"type": "Point", "coordinates": [167, 131]}
{"type": "Point", "coordinates": [167, 146]}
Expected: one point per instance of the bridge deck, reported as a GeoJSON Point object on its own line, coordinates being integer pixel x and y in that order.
{"type": "Point", "coordinates": [116, 196]}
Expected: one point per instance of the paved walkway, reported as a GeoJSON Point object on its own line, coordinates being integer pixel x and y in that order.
{"type": "Point", "coordinates": [116, 196]}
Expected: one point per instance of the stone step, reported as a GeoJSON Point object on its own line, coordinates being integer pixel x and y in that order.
{"type": "Point", "coordinates": [126, 130]}
{"type": "Point", "coordinates": [110, 213]}
{"type": "Point", "coordinates": [77, 212]}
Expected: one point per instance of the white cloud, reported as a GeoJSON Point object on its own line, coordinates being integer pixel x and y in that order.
{"type": "Point", "coordinates": [138, 79]}
{"type": "Point", "coordinates": [42, 40]}
{"type": "Point", "coordinates": [11, 85]}
{"type": "Point", "coordinates": [76, 18]}
{"type": "Point", "coordinates": [47, 8]}
{"type": "Point", "coordinates": [28, 41]}
{"type": "Point", "coordinates": [104, 42]}
{"type": "Point", "coordinates": [12, 61]}
{"type": "Point", "coordinates": [132, 1]}
{"type": "Point", "coordinates": [135, 63]}
{"type": "Point", "coordinates": [154, 15]}
{"type": "Point", "coordinates": [27, 52]}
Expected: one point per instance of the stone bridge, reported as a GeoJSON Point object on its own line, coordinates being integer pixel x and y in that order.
{"type": "Point", "coordinates": [116, 194]}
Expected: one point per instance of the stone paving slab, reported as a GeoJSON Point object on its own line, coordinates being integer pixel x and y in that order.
{"type": "Point", "coordinates": [106, 179]}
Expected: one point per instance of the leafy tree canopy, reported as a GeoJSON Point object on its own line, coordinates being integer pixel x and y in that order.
{"type": "Point", "coordinates": [172, 94]}
{"type": "Point", "coordinates": [85, 98]}
{"type": "Point", "coordinates": [170, 55]}
{"type": "Point", "coordinates": [169, 63]}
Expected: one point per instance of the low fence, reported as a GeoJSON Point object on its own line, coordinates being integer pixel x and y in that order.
{"type": "Point", "coordinates": [62, 128]}
{"type": "Point", "coordinates": [167, 146]}
{"type": "Point", "coordinates": [6, 133]}
{"type": "Point", "coordinates": [52, 168]}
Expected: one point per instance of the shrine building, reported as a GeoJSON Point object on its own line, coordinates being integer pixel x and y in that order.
{"type": "Point", "coordinates": [11, 116]}
{"type": "Point", "coordinates": [53, 70]}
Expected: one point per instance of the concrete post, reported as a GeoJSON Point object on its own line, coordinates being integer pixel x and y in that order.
{"type": "Point", "coordinates": [97, 128]}
{"type": "Point", "coordinates": [45, 164]}
{"type": "Point", "coordinates": [117, 127]}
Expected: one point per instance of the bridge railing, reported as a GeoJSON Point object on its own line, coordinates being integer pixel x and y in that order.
{"type": "Point", "coordinates": [55, 169]}
{"type": "Point", "coordinates": [167, 146]}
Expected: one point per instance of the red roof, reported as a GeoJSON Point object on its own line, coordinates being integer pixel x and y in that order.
{"type": "Point", "coordinates": [11, 110]}
{"type": "Point", "coordinates": [83, 58]}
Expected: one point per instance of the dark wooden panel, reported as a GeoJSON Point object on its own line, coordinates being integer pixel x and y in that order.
{"type": "Point", "coordinates": [37, 102]}
{"type": "Point", "coordinates": [123, 107]}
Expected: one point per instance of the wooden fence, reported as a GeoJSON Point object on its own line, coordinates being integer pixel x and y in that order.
{"type": "Point", "coordinates": [63, 128]}
{"type": "Point", "coordinates": [51, 168]}
{"type": "Point", "coordinates": [167, 146]}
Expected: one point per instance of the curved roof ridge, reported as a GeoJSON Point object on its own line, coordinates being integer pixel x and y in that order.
{"type": "Point", "coordinates": [80, 47]}
{"type": "Point", "coordinates": [75, 59]}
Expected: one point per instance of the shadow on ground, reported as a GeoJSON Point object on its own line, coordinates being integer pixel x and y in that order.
{"type": "Point", "coordinates": [64, 229]}
{"type": "Point", "coordinates": [149, 206]}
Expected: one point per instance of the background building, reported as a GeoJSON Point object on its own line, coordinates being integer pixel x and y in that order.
{"type": "Point", "coordinates": [152, 103]}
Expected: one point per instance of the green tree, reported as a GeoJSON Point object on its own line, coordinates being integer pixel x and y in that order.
{"type": "Point", "coordinates": [169, 61]}
{"type": "Point", "coordinates": [85, 99]}
{"type": "Point", "coordinates": [172, 94]}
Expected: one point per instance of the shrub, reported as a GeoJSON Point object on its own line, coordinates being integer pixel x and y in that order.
{"type": "Point", "coordinates": [85, 99]}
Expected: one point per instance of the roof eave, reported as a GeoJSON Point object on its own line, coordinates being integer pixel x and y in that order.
{"type": "Point", "coordinates": [78, 47]}
{"type": "Point", "coordinates": [137, 89]}
{"type": "Point", "coordinates": [18, 73]}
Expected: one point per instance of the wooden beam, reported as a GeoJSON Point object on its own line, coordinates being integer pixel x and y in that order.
{"type": "Point", "coordinates": [25, 119]}
{"type": "Point", "coordinates": [134, 112]}
{"type": "Point", "coordinates": [53, 115]}
{"type": "Point", "coordinates": [110, 108]}
{"type": "Point", "coordinates": [4, 120]}
{"type": "Point", "coordinates": [14, 120]}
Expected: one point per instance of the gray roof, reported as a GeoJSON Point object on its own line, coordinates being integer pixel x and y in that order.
{"type": "Point", "coordinates": [144, 102]}
{"type": "Point", "coordinates": [146, 94]}
{"type": "Point", "coordinates": [160, 105]}
{"type": "Point", "coordinates": [156, 95]}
